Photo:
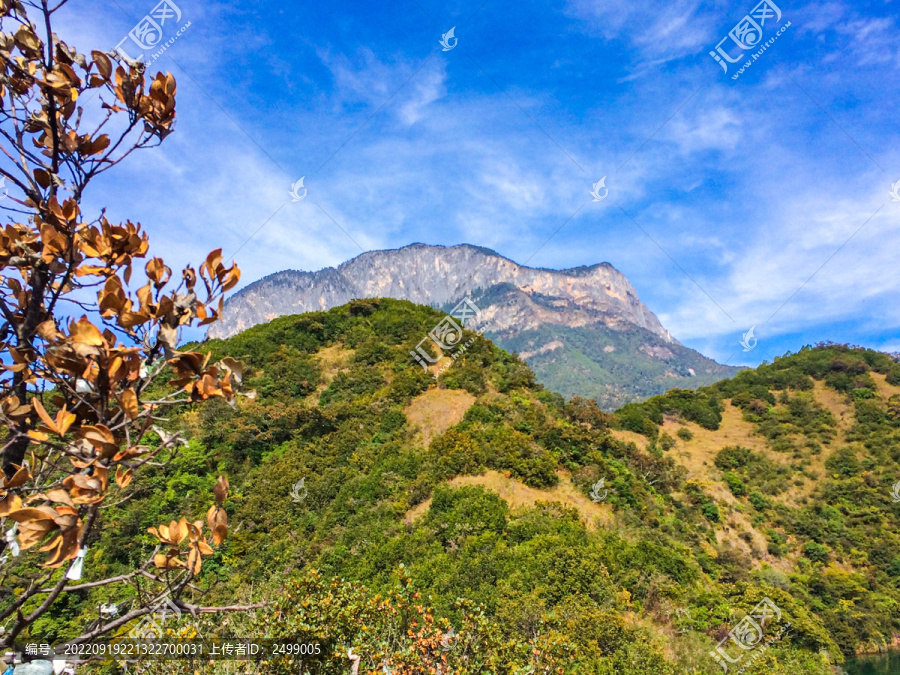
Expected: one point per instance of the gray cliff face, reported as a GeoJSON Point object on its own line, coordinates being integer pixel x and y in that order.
{"type": "Point", "coordinates": [512, 298]}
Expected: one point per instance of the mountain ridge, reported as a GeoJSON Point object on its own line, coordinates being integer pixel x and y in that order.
{"type": "Point", "coordinates": [353, 279]}
{"type": "Point", "coordinates": [585, 329]}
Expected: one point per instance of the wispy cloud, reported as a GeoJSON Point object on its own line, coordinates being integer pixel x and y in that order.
{"type": "Point", "coordinates": [656, 31]}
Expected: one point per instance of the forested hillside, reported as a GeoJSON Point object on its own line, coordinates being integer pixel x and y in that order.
{"type": "Point", "coordinates": [611, 365]}
{"type": "Point", "coordinates": [460, 525]}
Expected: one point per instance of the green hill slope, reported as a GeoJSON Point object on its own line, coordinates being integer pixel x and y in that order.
{"type": "Point", "coordinates": [612, 365]}
{"type": "Point", "coordinates": [459, 525]}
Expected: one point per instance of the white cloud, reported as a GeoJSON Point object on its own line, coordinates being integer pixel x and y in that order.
{"type": "Point", "coordinates": [767, 274]}
{"type": "Point", "coordinates": [718, 128]}
{"type": "Point", "coordinates": [427, 87]}
{"type": "Point", "coordinates": [365, 78]}
{"type": "Point", "coordinates": [873, 40]}
{"type": "Point", "coordinates": [659, 31]}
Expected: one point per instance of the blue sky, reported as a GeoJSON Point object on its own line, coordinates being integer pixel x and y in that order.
{"type": "Point", "coordinates": [732, 203]}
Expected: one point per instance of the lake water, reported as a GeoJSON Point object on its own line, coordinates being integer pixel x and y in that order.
{"type": "Point", "coordinates": [887, 664]}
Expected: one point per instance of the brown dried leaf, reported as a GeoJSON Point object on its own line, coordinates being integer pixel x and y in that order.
{"type": "Point", "coordinates": [32, 514]}
{"type": "Point", "coordinates": [42, 413]}
{"type": "Point", "coordinates": [219, 534]}
{"type": "Point", "coordinates": [220, 490]}
{"type": "Point", "coordinates": [64, 420]}
{"type": "Point", "coordinates": [103, 63]}
{"type": "Point", "coordinates": [18, 478]}
{"type": "Point", "coordinates": [62, 548]}
{"type": "Point", "coordinates": [101, 438]}
{"type": "Point", "coordinates": [10, 503]}
{"type": "Point", "coordinates": [85, 333]}
{"type": "Point", "coordinates": [123, 478]}
{"type": "Point", "coordinates": [130, 404]}
{"type": "Point", "coordinates": [194, 561]}
{"type": "Point", "coordinates": [96, 146]}
{"type": "Point", "coordinates": [60, 495]}
{"type": "Point", "coordinates": [182, 528]}
{"type": "Point", "coordinates": [235, 367]}
{"type": "Point", "coordinates": [42, 177]}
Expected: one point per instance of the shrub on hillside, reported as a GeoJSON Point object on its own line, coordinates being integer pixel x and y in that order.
{"type": "Point", "coordinates": [815, 552]}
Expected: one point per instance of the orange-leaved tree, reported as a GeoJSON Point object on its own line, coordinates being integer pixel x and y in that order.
{"type": "Point", "coordinates": [79, 348]}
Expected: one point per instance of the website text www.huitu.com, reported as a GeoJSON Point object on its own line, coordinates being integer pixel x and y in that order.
{"type": "Point", "coordinates": [753, 57]}
{"type": "Point", "coordinates": [168, 44]}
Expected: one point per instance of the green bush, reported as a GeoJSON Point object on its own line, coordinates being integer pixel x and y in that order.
{"type": "Point", "coordinates": [815, 552]}
{"type": "Point", "coordinates": [759, 502]}
{"type": "Point", "coordinates": [711, 512]}
{"type": "Point", "coordinates": [465, 512]}
{"type": "Point", "coordinates": [844, 462]}
{"type": "Point", "coordinates": [735, 484]}
{"type": "Point", "coordinates": [753, 469]}
{"type": "Point", "coordinates": [893, 375]}
{"type": "Point", "coordinates": [666, 442]}
{"type": "Point", "coordinates": [453, 454]}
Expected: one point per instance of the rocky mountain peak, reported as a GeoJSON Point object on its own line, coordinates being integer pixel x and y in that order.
{"type": "Point", "coordinates": [514, 297]}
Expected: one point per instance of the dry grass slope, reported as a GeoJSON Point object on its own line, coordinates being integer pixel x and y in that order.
{"type": "Point", "coordinates": [885, 389]}
{"type": "Point", "coordinates": [436, 410]}
{"type": "Point", "coordinates": [519, 497]}
{"type": "Point", "coordinates": [836, 404]}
